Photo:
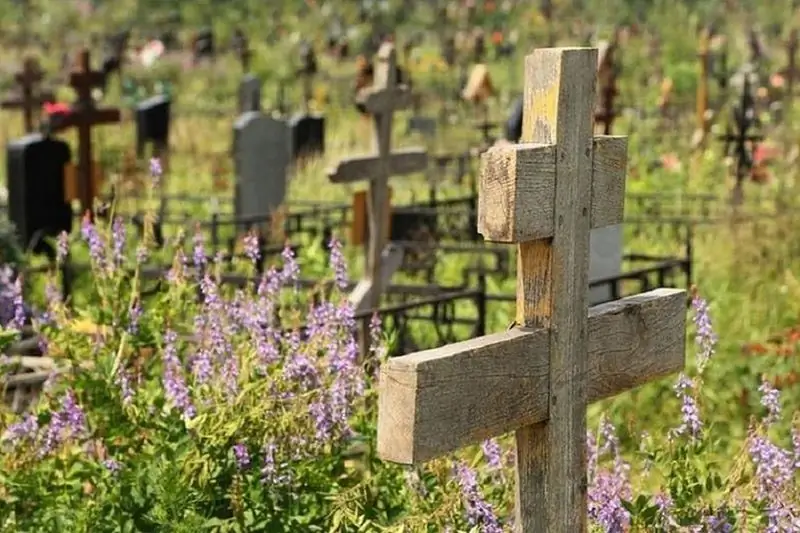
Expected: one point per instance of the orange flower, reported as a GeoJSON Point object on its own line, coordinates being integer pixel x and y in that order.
{"type": "Point", "coordinates": [497, 37]}
{"type": "Point", "coordinates": [777, 81]}
{"type": "Point", "coordinates": [670, 162]}
{"type": "Point", "coordinates": [765, 153]}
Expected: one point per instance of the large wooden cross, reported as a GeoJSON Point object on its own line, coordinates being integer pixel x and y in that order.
{"type": "Point", "coordinates": [381, 100]}
{"type": "Point", "coordinates": [28, 99]}
{"type": "Point", "coordinates": [83, 115]}
{"type": "Point", "coordinates": [537, 378]}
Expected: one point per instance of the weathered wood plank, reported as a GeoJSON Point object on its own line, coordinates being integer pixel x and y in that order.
{"type": "Point", "coordinates": [551, 457]}
{"type": "Point", "coordinates": [517, 180]}
{"type": "Point", "coordinates": [400, 162]}
{"type": "Point", "coordinates": [436, 401]}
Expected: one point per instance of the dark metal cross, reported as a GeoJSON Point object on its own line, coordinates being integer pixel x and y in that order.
{"type": "Point", "coordinates": [27, 100]}
{"type": "Point", "coordinates": [742, 143]}
{"type": "Point", "coordinates": [83, 115]}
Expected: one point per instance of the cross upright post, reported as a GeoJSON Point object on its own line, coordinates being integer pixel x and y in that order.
{"type": "Point", "coordinates": [381, 100]}
{"type": "Point", "coordinates": [28, 100]}
{"type": "Point", "coordinates": [83, 115]}
{"type": "Point", "coordinates": [704, 58]}
{"type": "Point", "coordinates": [537, 378]}
{"type": "Point", "coordinates": [791, 65]}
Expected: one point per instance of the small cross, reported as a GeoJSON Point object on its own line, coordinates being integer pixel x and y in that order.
{"type": "Point", "coordinates": [381, 100]}
{"type": "Point", "coordinates": [28, 79]}
{"type": "Point", "coordinates": [743, 143]}
{"type": "Point", "coordinates": [82, 117]}
{"type": "Point", "coordinates": [607, 72]}
{"type": "Point", "coordinates": [537, 378]}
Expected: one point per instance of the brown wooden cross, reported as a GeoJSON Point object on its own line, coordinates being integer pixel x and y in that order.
{"type": "Point", "coordinates": [704, 59]}
{"type": "Point", "coordinates": [790, 72]}
{"type": "Point", "coordinates": [28, 100]}
{"type": "Point", "coordinates": [83, 115]}
{"type": "Point", "coordinates": [381, 100]}
{"type": "Point", "coordinates": [537, 378]}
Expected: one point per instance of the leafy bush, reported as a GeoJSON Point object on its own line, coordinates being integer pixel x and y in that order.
{"type": "Point", "coordinates": [250, 410]}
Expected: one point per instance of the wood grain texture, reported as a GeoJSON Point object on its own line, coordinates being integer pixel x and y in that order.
{"type": "Point", "coordinates": [365, 168]}
{"type": "Point", "coordinates": [551, 470]}
{"type": "Point", "coordinates": [436, 401]}
{"type": "Point", "coordinates": [517, 181]}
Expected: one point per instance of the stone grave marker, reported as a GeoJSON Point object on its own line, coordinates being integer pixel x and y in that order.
{"type": "Point", "coordinates": [307, 128]}
{"type": "Point", "coordinates": [29, 98]}
{"type": "Point", "coordinates": [37, 203]}
{"type": "Point", "coordinates": [425, 126]}
{"type": "Point", "coordinates": [381, 100]}
{"type": "Point", "coordinates": [249, 93]}
{"type": "Point", "coordinates": [261, 158]}
{"type": "Point", "coordinates": [82, 116]}
{"type": "Point", "coordinates": [537, 378]}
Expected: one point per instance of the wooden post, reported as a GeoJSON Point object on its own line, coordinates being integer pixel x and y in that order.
{"type": "Point", "coordinates": [536, 379]}
{"type": "Point", "coordinates": [28, 100]}
{"type": "Point", "coordinates": [381, 101]}
{"type": "Point", "coordinates": [83, 116]}
{"type": "Point", "coordinates": [791, 67]}
{"type": "Point", "coordinates": [702, 87]}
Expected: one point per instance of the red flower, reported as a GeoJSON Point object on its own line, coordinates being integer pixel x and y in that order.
{"type": "Point", "coordinates": [56, 108]}
{"type": "Point", "coordinates": [765, 153]}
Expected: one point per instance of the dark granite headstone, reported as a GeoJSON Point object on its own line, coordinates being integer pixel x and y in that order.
{"type": "Point", "coordinates": [152, 123]}
{"type": "Point", "coordinates": [307, 134]}
{"type": "Point", "coordinates": [36, 195]}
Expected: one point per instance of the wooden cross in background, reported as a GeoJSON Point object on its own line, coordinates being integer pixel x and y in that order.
{"type": "Point", "coordinates": [537, 378]}
{"type": "Point", "coordinates": [83, 115]}
{"type": "Point", "coordinates": [381, 100]}
{"type": "Point", "coordinates": [28, 99]}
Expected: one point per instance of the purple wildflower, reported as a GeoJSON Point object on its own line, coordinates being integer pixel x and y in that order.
{"type": "Point", "coordinates": [608, 488]}
{"type": "Point", "coordinates": [705, 338]}
{"type": "Point", "coordinates": [479, 512]}
{"type": "Point", "coordinates": [174, 384]}
{"type": "Point", "coordinates": [18, 320]}
{"type": "Point", "coordinates": [123, 381]}
{"type": "Point", "coordinates": [338, 263]}
{"type": "Point", "coordinates": [241, 456]}
{"type": "Point", "coordinates": [691, 423]}
{"type": "Point", "coordinates": [771, 399]}
{"type": "Point", "coordinates": [666, 519]}
{"type": "Point", "coordinates": [270, 470]}
{"type": "Point", "coordinates": [97, 248]}
{"type": "Point", "coordinates": [68, 422]}
{"type": "Point", "coordinates": [199, 251]}
{"type": "Point", "coordinates": [134, 315]}
{"type": "Point", "coordinates": [118, 239]}
{"type": "Point", "coordinates": [156, 170]}
{"type": "Point", "coordinates": [21, 432]}
{"type": "Point", "coordinates": [291, 270]}
{"type": "Point", "coordinates": [113, 466]}
{"type": "Point", "coordinates": [62, 247]}
{"type": "Point", "coordinates": [493, 453]}
{"type": "Point", "coordinates": [252, 246]}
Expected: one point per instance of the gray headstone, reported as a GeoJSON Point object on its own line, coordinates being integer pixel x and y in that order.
{"type": "Point", "coordinates": [261, 158]}
{"type": "Point", "coordinates": [249, 94]}
{"type": "Point", "coordinates": [605, 260]}
{"type": "Point", "coordinates": [425, 126]}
